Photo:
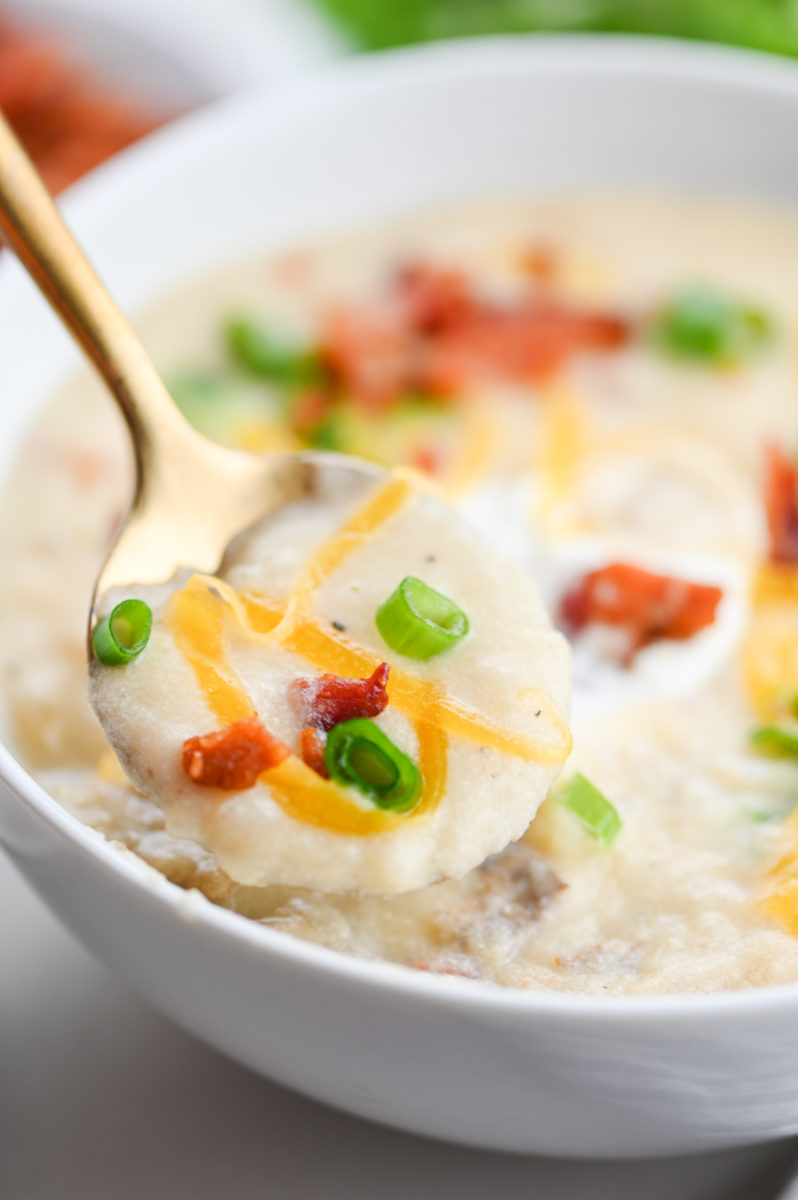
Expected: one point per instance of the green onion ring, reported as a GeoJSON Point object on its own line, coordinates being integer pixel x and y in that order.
{"type": "Point", "coordinates": [123, 634]}
{"type": "Point", "coordinates": [591, 807]}
{"type": "Point", "coordinates": [419, 622]}
{"type": "Point", "coordinates": [358, 754]}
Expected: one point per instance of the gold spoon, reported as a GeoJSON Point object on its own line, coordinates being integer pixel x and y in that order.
{"type": "Point", "coordinates": [192, 497]}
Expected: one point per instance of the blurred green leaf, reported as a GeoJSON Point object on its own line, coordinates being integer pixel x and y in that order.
{"type": "Point", "coordinates": [764, 24]}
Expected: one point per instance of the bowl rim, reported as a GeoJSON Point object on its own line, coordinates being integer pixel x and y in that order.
{"type": "Point", "coordinates": [603, 55]}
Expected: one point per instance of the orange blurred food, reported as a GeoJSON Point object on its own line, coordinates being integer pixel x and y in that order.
{"type": "Point", "coordinates": [67, 121]}
{"type": "Point", "coordinates": [232, 758]}
{"type": "Point", "coordinates": [647, 606]}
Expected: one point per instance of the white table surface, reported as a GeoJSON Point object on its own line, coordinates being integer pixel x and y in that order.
{"type": "Point", "coordinates": [101, 1098]}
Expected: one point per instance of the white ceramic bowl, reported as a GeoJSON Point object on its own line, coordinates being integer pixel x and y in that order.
{"type": "Point", "coordinates": [442, 1056]}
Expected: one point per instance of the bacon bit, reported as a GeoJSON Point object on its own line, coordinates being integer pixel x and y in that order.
{"type": "Point", "coordinates": [523, 345]}
{"type": "Point", "coordinates": [432, 298]}
{"type": "Point", "coordinates": [431, 335]}
{"type": "Point", "coordinates": [232, 758]}
{"type": "Point", "coordinates": [313, 751]}
{"type": "Point", "coordinates": [368, 353]}
{"type": "Point", "coordinates": [648, 607]}
{"type": "Point", "coordinates": [781, 505]}
{"type": "Point", "coordinates": [329, 700]}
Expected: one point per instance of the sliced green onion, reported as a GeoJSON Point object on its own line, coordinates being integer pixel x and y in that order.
{"type": "Point", "coordinates": [591, 807]}
{"type": "Point", "coordinates": [253, 347]}
{"type": "Point", "coordinates": [123, 634]}
{"type": "Point", "coordinates": [358, 754]}
{"type": "Point", "coordinates": [419, 622]}
{"type": "Point", "coordinates": [704, 324]}
{"type": "Point", "coordinates": [779, 740]}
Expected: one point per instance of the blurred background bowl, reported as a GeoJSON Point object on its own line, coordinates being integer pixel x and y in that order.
{"type": "Point", "coordinates": [178, 54]}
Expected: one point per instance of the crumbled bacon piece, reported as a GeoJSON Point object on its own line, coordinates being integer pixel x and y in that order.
{"type": "Point", "coordinates": [329, 700]}
{"type": "Point", "coordinates": [781, 506]}
{"type": "Point", "coordinates": [232, 758]}
{"type": "Point", "coordinates": [646, 606]}
{"type": "Point", "coordinates": [313, 751]}
{"type": "Point", "coordinates": [369, 354]}
{"type": "Point", "coordinates": [432, 298]}
{"type": "Point", "coordinates": [432, 335]}
{"type": "Point", "coordinates": [526, 344]}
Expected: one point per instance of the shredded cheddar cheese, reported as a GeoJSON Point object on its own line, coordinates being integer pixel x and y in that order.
{"type": "Point", "coordinates": [563, 445]}
{"type": "Point", "coordinates": [477, 447]}
{"type": "Point", "coordinates": [305, 796]}
{"type": "Point", "coordinates": [778, 899]}
{"type": "Point", "coordinates": [195, 620]}
{"type": "Point", "coordinates": [780, 903]}
{"type": "Point", "coordinates": [387, 500]}
{"type": "Point", "coordinates": [770, 676]}
{"type": "Point", "coordinates": [770, 650]}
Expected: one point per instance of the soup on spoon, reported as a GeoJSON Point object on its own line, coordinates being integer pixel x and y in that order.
{"type": "Point", "coordinates": [365, 698]}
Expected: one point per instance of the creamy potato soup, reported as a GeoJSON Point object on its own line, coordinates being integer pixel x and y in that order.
{"type": "Point", "coordinates": [607, 387]}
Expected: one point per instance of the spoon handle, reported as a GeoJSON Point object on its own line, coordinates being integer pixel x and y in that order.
{"type": "Point", "coordinates": [32, 227]}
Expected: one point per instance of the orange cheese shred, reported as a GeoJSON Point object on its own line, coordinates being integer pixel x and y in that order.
{"type": "Point", "coordinates": [770, 672]}
{"type": "Point", "coordinates": [770, 649]}
{"type": "Point", "coordinates": [778, 899]}
{"type": "Point", "coordinates": [355, 532]}
{"type": "Point", "coordinates": [194, 617]}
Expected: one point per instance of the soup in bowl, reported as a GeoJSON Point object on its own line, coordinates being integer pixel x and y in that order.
{"type": "Point", "coordinates": [582, 336]}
